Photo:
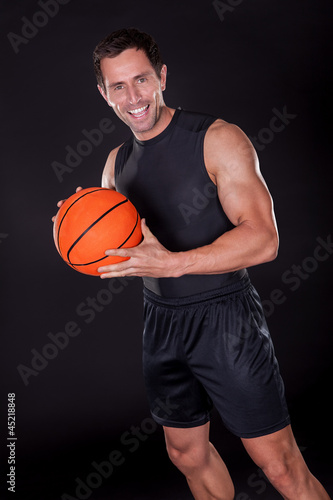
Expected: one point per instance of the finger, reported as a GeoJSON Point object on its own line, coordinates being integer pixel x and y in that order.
{"type": "Point", "coordinates": [114, 268]}
{"type": "Point", "coordinates": [78, 189]}
{"type": "Point", "coordinates": [106, 273]}
{"type": "Point", "coordinates": [118, 252]}
{"type": "Point", "coordinates": [60, 202]}
{"type": "Point", "coordinates": [113, 275]}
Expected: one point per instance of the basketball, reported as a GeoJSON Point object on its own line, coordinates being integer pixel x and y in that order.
{"type": "Point", "coordinates": [91, 221]}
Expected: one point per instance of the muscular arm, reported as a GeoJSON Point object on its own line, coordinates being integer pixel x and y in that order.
{"type": "Point", "coordinates": [233, 166]}
{"type": "Point", "coordinates": [108, 172]}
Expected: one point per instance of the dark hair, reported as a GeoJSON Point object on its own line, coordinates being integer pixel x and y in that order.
{"type": "Point", "coordinates": [120, 40]}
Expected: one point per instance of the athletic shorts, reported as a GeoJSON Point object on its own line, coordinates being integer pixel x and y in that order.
{"type": "Point", "coordinates": [212, 350]}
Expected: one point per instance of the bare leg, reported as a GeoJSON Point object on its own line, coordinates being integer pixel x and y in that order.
{"type": "Point", "coordinates": [278, 456]}
{"type": "Point", "coordinates": [205, 471]}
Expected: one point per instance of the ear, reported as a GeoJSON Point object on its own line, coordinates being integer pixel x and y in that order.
{"type": "Point", "coordinates": [103, 94]}
{"type": "Point", "coordinates": [163, 77]}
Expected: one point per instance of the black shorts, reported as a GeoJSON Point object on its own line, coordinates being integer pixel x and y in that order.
{"type": "Point", "coordinates": [212, 349]}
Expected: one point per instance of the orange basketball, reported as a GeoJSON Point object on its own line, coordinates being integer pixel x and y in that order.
{"type": "Point", "coordinates": [92, 221]}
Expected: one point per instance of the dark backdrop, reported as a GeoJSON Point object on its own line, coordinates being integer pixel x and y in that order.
{"type": "Point", "coordinates": [71, 344]}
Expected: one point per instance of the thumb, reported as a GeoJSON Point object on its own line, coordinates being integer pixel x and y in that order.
{"type": "Point", "coordinates": [145, 229]}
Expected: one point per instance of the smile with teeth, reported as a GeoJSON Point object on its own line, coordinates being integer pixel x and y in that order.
{"type": "Point", "coordinates": [139, 111]}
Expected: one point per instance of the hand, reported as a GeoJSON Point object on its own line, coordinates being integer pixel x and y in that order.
{"type": "Point", "coordinates": [60, 202]}
{"type": "Point", "coordinates": [149, 258]}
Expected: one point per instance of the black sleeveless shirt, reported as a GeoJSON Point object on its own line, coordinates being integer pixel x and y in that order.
{"type": "Point", "coordinates": [166, 179]}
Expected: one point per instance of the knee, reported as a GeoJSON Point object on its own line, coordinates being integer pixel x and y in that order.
{"type": "Point", "coordinates": [277, 472]}
{"type": "Point", "coordinates": [188, 459]}
{"type": "Point", "coordinates": [286, 475]}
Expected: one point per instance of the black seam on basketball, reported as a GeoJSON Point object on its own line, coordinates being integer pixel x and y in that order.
{"type": "Point", "coordinates": [106, 256]}
{"type": "Point", "coordinates": [88, 229]}
{"type": "Point", "coordinates": [80, 198]}
{"type": "Point", "coordinates": [128, 237]}
{"type": "Point", "coordinates": [88, 263]}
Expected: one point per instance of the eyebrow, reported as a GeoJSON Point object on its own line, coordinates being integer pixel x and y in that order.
{"type": "Point", "coordinates": [137, 77]}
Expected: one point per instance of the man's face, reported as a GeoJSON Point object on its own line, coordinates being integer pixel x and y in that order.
{"type": "Point", "coordinates": [134, 91]}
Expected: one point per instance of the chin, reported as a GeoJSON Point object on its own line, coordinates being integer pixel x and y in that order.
{"type": "Point", "coordinates": [142, 127]}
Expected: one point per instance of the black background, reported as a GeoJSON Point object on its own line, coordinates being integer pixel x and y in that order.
{"type": "Point", "coordinates": [257, 57]}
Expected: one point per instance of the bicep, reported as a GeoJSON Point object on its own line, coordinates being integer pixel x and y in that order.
{"type": "Point", "coordinates": [245, 198]}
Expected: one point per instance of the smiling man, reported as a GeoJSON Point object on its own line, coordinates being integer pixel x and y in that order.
{"type": "Point", "coordinates": [133, 88]}
{"type": "Point", "coordinates": [206, 341]}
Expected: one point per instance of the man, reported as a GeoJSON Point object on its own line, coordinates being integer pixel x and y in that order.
{"type": "Point", "coordinates": [195, 179]}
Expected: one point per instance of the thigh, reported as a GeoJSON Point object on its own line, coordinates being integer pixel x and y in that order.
{"type": "Point", "coordinates": [235, 361]}
{"type": "Point", "coordinates": [176, 397]}
{"type": "Point", "coordinates": [275, 452]}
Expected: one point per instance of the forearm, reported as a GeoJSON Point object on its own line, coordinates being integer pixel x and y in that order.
{"type": "Point", "coordinates": [244, 246]}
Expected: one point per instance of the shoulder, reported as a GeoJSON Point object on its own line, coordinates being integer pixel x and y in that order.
{"type": "Point", "coordinates": [108, 172]}
{"type": "Point", "coordinates": [226, 146]}
{"type": "Point", "coordinates": [227, 137]}
{"type": "Point", "coordinates": [194, 121]}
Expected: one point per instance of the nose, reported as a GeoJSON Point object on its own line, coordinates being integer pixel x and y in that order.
{"type": "Point", "coordinates": [133, 95]}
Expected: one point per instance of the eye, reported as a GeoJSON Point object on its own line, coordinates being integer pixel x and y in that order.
{"type": "Point", "coordinates": [119, 87]}
{"type": "Point", "coordinates": [142, 80]}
